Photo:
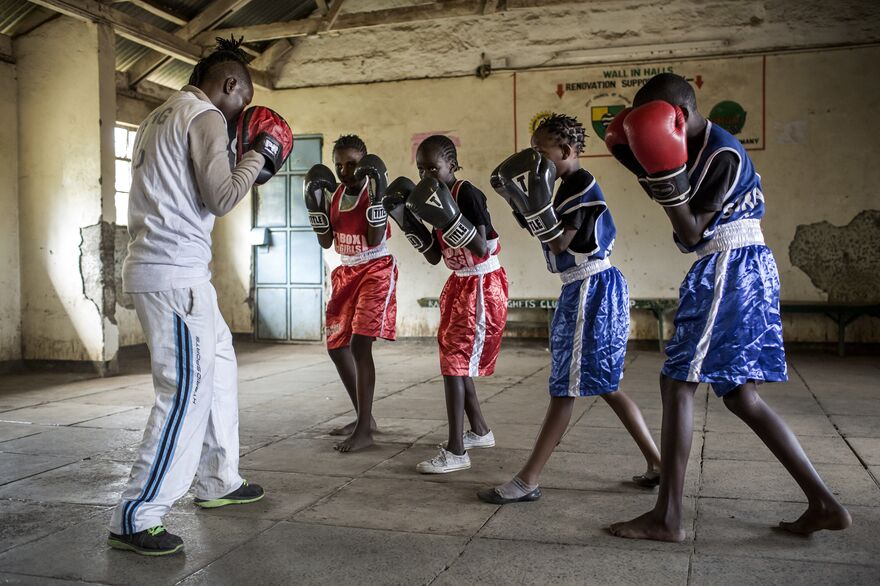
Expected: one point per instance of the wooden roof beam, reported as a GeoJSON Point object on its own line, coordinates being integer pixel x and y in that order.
{"type": "Point", "coordinates": [155, 9]}
{"type": "Point", "coordinates": [126, 26]}
{"type": "Point", "coordinates": [210, 16]}
{"type": "Point", "coordinates": [348, 21]}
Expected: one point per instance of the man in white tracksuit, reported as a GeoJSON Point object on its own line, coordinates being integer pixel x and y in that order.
{"type": "Point", "coordinates": [181, 180]}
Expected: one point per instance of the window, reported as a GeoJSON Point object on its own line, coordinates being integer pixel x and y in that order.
{"type": "Point", "coordinates": [123, 139]}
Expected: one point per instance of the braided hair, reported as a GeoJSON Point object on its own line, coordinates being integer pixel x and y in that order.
{"type": "Point", "coordinates": [566, 130]}
{"type": "Point", "coordinates": [444, 145]}
{"type": "Point", "coordinates": [350, 141]}
{"type": "Point", "coordinates": [227, 51]}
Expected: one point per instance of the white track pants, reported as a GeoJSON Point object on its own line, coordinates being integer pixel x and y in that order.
{"type": "Point", "coordinates": [193, 427]}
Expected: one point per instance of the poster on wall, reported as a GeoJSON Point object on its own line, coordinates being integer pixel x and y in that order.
{"type": "Point", "coordinates": [730, 92]}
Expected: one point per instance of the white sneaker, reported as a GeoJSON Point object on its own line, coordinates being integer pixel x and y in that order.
{"type": "Point", "coordinates": [444, 462]}
{"type": "Point", "coordinates": [472, 440]}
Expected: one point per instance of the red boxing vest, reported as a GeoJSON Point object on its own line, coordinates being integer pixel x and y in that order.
{"type": "Point", "coordinates": [350, 226]}
{"type": "Point", "coordinates": [462, 258]}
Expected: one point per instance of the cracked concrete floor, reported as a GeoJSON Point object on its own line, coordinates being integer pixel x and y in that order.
{"type": "Point", "coordinates": [66, 444]}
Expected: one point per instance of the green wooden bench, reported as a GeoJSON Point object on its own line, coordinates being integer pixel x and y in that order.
{"type": "Point", "coordinates": [842, 314]}
{"type": "Point", "coordinates": [543, 304]}
{"type": "Point", "coordinates": [658, 307]}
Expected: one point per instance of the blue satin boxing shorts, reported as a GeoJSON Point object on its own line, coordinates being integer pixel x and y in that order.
{"type": "Point", "coordinates": [728, 329]}
{"type": "Point", "coordinates": [588, 335]}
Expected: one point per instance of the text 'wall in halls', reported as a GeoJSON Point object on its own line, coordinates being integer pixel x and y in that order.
{"type": "Point", "coordinates": [730, 92]}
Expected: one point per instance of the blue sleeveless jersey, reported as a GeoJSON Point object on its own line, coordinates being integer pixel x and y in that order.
{"type": "Point", "coordinates": [745, 199]}
{"type": "Point", "coordinates": [595, 237]}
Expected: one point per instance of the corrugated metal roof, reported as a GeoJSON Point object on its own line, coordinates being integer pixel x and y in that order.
{"type": "Point", "coordinates": [266, 11]}
{"type": "Point", "coordinates": [185, 8]}
{"type": "Point", "coordinates": [12, 11]}
{"type": "Point", "coordinates": [173, 74]}
{"type": "Point", "coordinates": [128, 53]}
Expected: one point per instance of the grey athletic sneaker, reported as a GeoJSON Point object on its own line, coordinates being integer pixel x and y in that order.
{"type": "Point", "coordinates": [444, 462]}
{"type": "Point", "coordinates": [154, 541]}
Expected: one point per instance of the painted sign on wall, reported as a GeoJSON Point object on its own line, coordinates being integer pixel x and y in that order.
{"type": "Point", "coordinates": [730, 92]}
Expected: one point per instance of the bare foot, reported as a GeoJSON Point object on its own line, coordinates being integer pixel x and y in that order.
{"type": "Point", "coordinates": [349, 429]}
{"type": "Point", "coordinates": [345, 429]}
{"type": "Point", "coordinates": [355, 442]}
{"type": "Point", "coordinates": [832, 519]}
{"type": "Point", "coordinates": [647, 526]}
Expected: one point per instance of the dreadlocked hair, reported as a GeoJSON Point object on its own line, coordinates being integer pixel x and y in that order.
{"type": "Point", "coordinates": [566, 130]}
{"type": "Point", "coordinates": [228, 50]}
{"type": "Point", "coordinates": [444, 146]}
{"type": "Point", "coordinates": [350, 141]}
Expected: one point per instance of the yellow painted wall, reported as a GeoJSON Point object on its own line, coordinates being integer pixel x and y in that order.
{"type": "Point", "coordinates": [10, 274]}
{"type": "Point", "coordinates": [824, 169]}
{"type": "Point", "coordinates": [60, 188]}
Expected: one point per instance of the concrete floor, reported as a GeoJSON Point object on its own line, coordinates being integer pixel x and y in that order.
{"type": "Point", "coordinates": [67, 442]}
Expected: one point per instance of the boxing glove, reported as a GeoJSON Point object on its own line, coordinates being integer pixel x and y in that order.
{"type": "Point", "coordinates": [265, 131]}
{"type": "Point", "coordinates": [657, 134]}
{"type": "Point", "coordinates": [520, 220]}
{"type": "Point", "coordinates": [374, 170]}
{"type": "Point", "coordinates": [617, 145]}
{"type": "Point", "coordinates": [394, 202]}
{"type": "Point", "coordinates": [525, 180]}
{"type": "Point", "coordinates": [431, 201]}
{"type": "Point", "coordinates": [320, 183]}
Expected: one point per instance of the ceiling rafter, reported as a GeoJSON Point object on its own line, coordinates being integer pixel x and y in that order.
{"type": "Point", "coordinates": [126, 26]}
{"type": "Point", "coordinates": [155, 9]}
{"type": "Point", "coordinates": [332, 15]}
{"type": "Point", "coordinates": [143, 33]}
{"type": "Point", "coordinates": [350, 21]}
{"type": "Point", "coordinates": [212, 15]}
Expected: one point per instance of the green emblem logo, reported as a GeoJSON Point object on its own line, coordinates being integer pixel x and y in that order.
{"type": "Point", "coordinates": [601, 117]}
{"type": "Point", "coordinates": [729, 115]}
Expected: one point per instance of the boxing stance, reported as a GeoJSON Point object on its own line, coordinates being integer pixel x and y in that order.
{"type": "Point", "coordinates": [363, 302]}
{"type": "Point", "coordinates": [590, 327]}
{"type": "Point", "coordinates": [728, 331]}
{"type": "Point", "coordinates": [181, 180]}
{"type": "Point", "coordinates": [473, 304]}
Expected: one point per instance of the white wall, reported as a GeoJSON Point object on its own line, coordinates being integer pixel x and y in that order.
{"type": "Point", "coordinates": [10, 274]}
{"type": "Point", "coordinates": [827, 171]}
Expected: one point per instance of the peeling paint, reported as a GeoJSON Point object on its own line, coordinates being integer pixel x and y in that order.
{"type": "Point", "coordinates": [841, 260]}
{"type": "Point", "coordinates": [96, 265]}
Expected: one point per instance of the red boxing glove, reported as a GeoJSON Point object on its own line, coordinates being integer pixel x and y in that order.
{"type": "Point", "coordinates": [616, 142]}
{"type": "Point", "coordinates": [617, 145]}
{"type": "Point", "coordinates": [265, 131]}
{"type": "Point", "coordinates": [657, 134]}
